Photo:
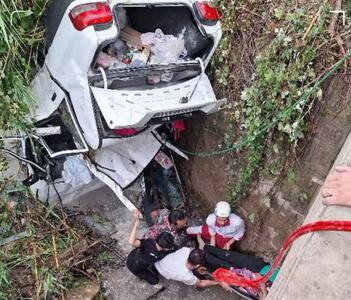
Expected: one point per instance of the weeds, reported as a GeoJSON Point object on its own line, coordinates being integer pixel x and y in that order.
{"type": "Point", "coordinates": [46, 260]}
{"type": "Point", "coordinates": [282, 60]}
{"type": "Point", "coordinates": [20, 46]}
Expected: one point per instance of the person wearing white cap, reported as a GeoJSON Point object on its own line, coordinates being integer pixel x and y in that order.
{"type": "Point", "coordinates": [222, 227]}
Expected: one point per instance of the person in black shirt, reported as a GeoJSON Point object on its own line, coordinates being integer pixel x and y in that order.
{"type": "Point", "coordinates": [147, 251]}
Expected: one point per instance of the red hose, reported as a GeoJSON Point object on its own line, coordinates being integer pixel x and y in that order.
{"type": "Point", "coordinates": [224, 275]}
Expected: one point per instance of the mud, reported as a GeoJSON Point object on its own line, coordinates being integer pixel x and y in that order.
{"type": "Point", "coordinates": [205, 179]}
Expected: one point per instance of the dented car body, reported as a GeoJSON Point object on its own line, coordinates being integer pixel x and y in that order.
{"type": "Point", "coordinates": [107, 115]}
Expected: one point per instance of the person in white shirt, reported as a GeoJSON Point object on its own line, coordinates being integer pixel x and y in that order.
{"type": "Point", "coordinates": [179, 266]}
{"type": "Point", "coordinates": [222, 227]}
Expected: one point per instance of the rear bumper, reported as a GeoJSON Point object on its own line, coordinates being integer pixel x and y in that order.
{"type": "Point", "coordinates": [135, 108]}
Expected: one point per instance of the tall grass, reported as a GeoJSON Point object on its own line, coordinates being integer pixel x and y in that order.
{"type": "Point", "coordinates": [21, 36]}
{"type": "Point", "coordinates": [27, 268]}
{"type": "Point", "coordinates": [20, 43]}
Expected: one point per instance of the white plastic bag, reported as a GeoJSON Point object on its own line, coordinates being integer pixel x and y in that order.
{"type": "Point", "coordinates": [166, 48]}
{"type": "Point", "coordinates": [75, 172]}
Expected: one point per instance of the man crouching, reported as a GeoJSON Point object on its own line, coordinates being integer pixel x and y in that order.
{"type": "Point", "coordinates": [147, 251]}
{"type": "Point", "coordinates": [179, 266]}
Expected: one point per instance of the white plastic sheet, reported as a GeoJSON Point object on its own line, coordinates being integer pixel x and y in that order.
{"type": "Point", "coordinates": [75, 172]}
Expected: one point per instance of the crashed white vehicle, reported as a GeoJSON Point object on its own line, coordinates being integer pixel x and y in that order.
{"type": "Point", "coordinates": [106, 115]}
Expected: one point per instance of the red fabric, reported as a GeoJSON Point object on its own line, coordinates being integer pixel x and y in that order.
{"type": "Point", "coordinates": [220, 240]}
{"type": "Point", "coordinates": [223, 275]}
{"type": "Point", "coordinates": [227, 276]}
{"type": "Point", "coordinates": [178, 127]}
{"type": "Point", "coordinates": [227, 222]}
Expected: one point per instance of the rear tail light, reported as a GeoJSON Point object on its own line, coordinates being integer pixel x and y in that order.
{"type": "Point", "coordinates": [125, 132]}
{"type": "Point", "coordinates": [89, 14]}
{"type": "Point", "coordinates": [208, 14]}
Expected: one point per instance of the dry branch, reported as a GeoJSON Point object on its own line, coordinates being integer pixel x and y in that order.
{"type": "Point", "coordinates": [334, 18]}
{"type": "Point", "coordinates": [67, 256]}
{"type": "Point", "coordinates": [316, 16]}
{"type": "Point", "coordinates": [55, 253]}
{"type": "Point", "coordinates": [342, 50]}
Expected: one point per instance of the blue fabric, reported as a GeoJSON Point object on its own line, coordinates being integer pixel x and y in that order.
{"type": "Point", "coordinates": [265, 270]}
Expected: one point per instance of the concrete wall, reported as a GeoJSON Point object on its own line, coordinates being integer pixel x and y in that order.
{"type": "Point", "coordinates": [318, 265]}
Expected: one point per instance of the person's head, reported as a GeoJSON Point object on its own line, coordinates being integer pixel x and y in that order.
{"type": "Point", "coordinates": [154, 214]}
{"type": "Point", "coordinates": [151, 214]}
{"type": "Point", "coordinates": [196, 258]}
{"type": "Point", "coordinates": [222, 212]}
{"type": "Point", "coordinates": [178, 219]}
{"type": "Point", "coordinates": [165, 241]}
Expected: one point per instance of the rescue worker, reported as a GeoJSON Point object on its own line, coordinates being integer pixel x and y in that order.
{"type": "Point", "coordinates": [222, 227]}
{"type": "Point", "coordinates": [174, 221]}
{"type": "Point", "coordinates": [147, 251]}
{"type": "Point", "coordinates": [179, 266]}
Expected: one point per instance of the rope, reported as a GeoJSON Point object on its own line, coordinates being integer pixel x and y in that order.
{"type": "Point", "coordinates": [239, 145]}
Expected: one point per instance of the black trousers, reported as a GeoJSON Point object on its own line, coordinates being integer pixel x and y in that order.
{"type": "Point", "coordinates": [147, 273]}
{"type": "Point", "coordinates": [219, 258]}
{"type": "Point", "coordinates": [148, 276]}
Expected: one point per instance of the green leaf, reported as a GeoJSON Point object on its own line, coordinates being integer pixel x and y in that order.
{"type": "Point", "coordinates": [28, 13]}
{"type": "Point", "coordinates": [4, 31]}
{"type": "Point", "coordinates": [266, 201]}
{"type": "Point", "coordinates": [252, 217]}
{"type": "Point", "coordinates": [291, 175]}
{"type": "Point", "coordinates": [278, 13]}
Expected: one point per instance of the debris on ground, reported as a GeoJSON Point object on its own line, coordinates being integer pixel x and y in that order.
{"type": "Point", "coordinates": [42, 253]}
{"type": "Point", "coordinates": [89, 290]}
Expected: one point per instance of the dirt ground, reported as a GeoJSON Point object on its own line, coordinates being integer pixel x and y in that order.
{"type": "Point", "coordinates": [273, 208]}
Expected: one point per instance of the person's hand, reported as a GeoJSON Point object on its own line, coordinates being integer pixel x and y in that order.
{"type": "Point", "coordinates": [262, 291]}
{"type": "Point", "coordinates": [337, 188]}
{"type": "Point", "coordinates": [228, 244]}
{"type": "Point", "coordinates": [136, 215]}
{"type": "Point", "coordinates": [226, 286]}
{"type": "Point", "coordinates": [201, 242]}
{"type": "Point", "coordinates": [202, 270]}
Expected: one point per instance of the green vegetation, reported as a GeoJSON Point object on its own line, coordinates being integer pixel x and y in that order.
{"type": "Point", "coordinates": [30, 239]}
{"type": "Point", "coordinates": [20, 45]}
{"type": "Point", "coordinates": [283, 50]}
{"type": "Point", "coordinates": [42, 254]}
